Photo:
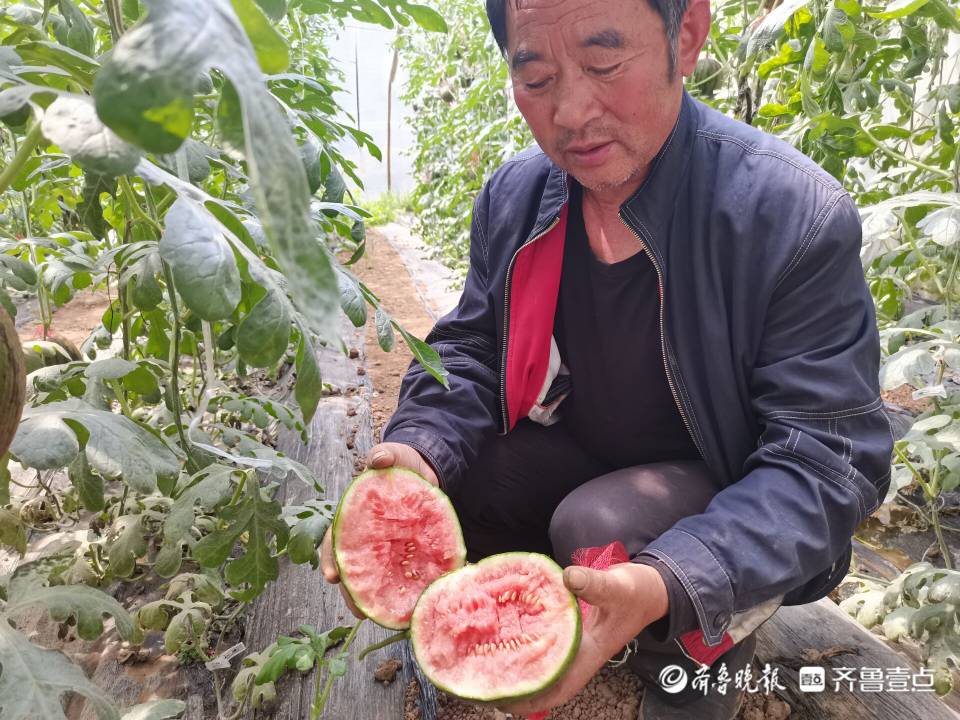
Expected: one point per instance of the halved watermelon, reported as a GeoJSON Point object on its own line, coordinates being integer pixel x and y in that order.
{"type": "Point", "coordinates": [393, 534]}
{"type": "Point", "coordinates": [504, 628]}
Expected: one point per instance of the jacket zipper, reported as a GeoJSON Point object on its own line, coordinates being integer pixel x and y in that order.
{"type": "Point", "coordinates": [506, 319]}
{"type": "Point", "coordinates": [663, 343]}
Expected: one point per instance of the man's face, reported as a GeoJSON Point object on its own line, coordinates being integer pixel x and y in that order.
{"type": "Point", "coordinates": [593, 81]}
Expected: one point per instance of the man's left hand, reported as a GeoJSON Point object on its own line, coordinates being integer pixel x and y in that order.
{"type": "Point", "coordinates": [624, 599]}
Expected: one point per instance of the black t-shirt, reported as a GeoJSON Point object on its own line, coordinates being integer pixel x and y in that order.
{"type": "Point", "coordinates": [620, 407]}
{"type": "Point", "coordinates": [607, 327]}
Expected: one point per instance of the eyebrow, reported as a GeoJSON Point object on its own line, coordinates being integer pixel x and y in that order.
{"type": "Point", "coordinates": [609, 39]}
{"type": "Point", "coordinates": [524, 57]}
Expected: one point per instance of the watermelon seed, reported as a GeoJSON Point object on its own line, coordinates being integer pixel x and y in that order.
{"type": "Point", "coordinates": [404, 562]}
{"type": "Point", "coordinates": [513, 595]}
{"type": "Point", "coordinates": [408, 575]}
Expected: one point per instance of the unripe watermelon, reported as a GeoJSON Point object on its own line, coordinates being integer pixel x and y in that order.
{"type": "Point", "coordinates": [502, 629]}
{"type": "Point", "coordinates": [393, 534]}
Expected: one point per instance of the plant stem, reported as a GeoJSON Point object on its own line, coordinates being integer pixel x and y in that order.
{"type": "Point", "coordinates": [175, 367]}
{"type": "Point", "coordinates": [904, 159]}
{"type": "Point", "coordinates": [135, 206]}
{"type": "Point", "coordinates": [115, 16]}
{"type": "Point", "coordinates": [933, 497]}
{"type": "Point", "coordinates": [383, 643]}
{"type": "Point", "coordinates": [938, 531]}
{"type": "Point", "coordinates": [121, 397]}
{"type": "Point", "coordinates": [320, 698]}
{"type": "Point", "coordinates": [12, 171]}
{"type": "Point", "coordinates": [239, 489]}
{"type": "Point", "coordinates": [949, 286]}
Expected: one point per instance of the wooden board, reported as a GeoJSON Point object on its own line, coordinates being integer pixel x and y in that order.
{"type": "Point", "coordinates": [300, 595]}
{"type": "Point", "coordinates": [822, 626]}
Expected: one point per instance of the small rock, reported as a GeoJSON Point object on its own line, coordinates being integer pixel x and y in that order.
{"type": "Point", "coordinates": [351, 412]}
{"type": "Point", "coordinates": [386, 671]}
{"type": "Point", "coordinates": [354, 353]}
{"type": "Point", "coordinates": [361, 371]}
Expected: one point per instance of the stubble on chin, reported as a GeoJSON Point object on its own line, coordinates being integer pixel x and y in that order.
{"type": "Point", "coordinates": [627, 178]}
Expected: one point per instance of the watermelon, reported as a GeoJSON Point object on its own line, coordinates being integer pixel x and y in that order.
{"type": "Point", "coordinates": [501, 629]}
{"type": "Point", "coordinates": [393, 534]}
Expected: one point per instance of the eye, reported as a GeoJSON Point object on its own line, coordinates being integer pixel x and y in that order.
{"type": "Point", "coordinates": [537, 85]}
{"type": "Point", "coordinates": [606, 70]}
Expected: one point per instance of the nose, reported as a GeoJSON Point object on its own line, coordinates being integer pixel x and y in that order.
{"type": "Point", "coordinates": [575, 103]}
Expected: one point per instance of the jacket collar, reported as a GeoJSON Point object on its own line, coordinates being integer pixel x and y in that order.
{"type": "Point", "coordinates": [648, 209]}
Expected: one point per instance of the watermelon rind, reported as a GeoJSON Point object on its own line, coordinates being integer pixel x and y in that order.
{"type": "Point", "coordinates": [535, 687]}
{"type": "Point", "coordinates": [385, 474]}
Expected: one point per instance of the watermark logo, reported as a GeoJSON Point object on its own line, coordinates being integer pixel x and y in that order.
{"type": "Point", "coordinates": [813, 679]}
{"type": "Point", "coordinates": [810, 678]}
{"type": "Point", "coordinates": [673, 679]}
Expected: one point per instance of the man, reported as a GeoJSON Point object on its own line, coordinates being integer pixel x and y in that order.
{"type": "Point", "coordinates": [664, 338]}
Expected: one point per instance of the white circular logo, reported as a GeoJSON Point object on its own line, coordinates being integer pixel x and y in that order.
{"type": "Point", "coordinates": [673, 679]}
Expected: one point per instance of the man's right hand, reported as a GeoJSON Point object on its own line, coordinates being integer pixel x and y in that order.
{"type": "Point", "coordinates": [380, 457]}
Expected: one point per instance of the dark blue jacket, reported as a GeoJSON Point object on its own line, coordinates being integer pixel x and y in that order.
{"type": "Point", "coordinates": [769, 338]}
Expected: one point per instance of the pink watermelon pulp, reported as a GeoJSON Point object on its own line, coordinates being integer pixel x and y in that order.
{"type": "Point", "coordinates": [504, 628]}
{"type": "Point", "coordinates": [393, 534]}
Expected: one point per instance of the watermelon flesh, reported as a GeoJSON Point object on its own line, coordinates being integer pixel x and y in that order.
{"type": "Point", "coordinates": [504, 628]}
{"type": "Point", "coordinates": [393, 534]}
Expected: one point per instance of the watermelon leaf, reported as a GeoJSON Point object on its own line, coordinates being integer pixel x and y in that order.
{"type": "Point", "coordinates": [72, 123]}
{"type": "Point", "coordinates": [259, 519]}
{"type": "Point", "coordinates": [148, 99]}
{"type": "Point", "coordinates": [207, 489]}
{"type": "Point", "coordinates": [33, 681]}
{"type": "Point", "coordinates": [51, 436]}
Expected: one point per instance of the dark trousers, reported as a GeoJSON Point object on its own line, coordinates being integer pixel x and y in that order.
{"type": "Point", "coordinates": [535, 489]}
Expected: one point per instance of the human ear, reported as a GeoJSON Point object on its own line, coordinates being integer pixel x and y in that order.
{"type": "Point", "coordinates": [694, 29]}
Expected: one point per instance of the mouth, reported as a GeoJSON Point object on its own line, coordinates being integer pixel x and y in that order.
{"type": "Point", "coordinates": [592, 154]}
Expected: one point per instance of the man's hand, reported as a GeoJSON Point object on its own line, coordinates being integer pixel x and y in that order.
{"type": "Point", "coordinates": [625, 599]}
{"type": "Point", "coordinates": [380, 457]}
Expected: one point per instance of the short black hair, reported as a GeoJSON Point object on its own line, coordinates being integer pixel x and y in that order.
{"type": "Point", "coordinates": [670, 11]}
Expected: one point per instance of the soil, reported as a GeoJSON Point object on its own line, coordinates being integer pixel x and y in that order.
{"type": "Point", "coordinates": [73, 321]}
{"type": "Point", "coordinates": [614, 694]}
{"type": "Point", "coordinates": [903, 396]}
{"type": "Point", "coordinates": [384, 272]}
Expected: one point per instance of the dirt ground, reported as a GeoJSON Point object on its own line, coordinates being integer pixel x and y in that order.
{"type": "Point", "coordinates": [614, 694]}
{"type": "Point", "coordinates": [74, 321]}
{"type": "Point", "coordinates": [382, 270]}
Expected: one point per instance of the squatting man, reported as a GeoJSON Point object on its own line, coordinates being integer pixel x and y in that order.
{"type": "Point", "coordinates": [664, 338]}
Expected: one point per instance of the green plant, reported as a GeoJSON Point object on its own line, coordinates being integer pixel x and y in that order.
{"type": "Point", "coordinates": [183, 157]}
{"type": "Point", "coordinates": [255, 683]}
{"type": "Point", "coordinates": [464, 121]}
{"type": "Point", "coordinates": [386, 208]}
{"type": "Point", "coordinates": [921, 604]}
